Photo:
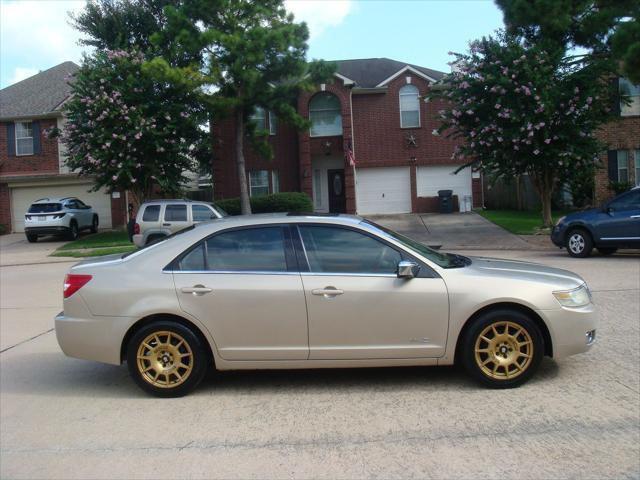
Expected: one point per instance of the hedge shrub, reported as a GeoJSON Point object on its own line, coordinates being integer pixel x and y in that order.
{"type": "Point", "coordinates": [277, 202]}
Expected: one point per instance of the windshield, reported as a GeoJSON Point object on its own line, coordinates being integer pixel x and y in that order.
{"type": "Point", "coordinates": [219, 210]}
{"type": "Point", "coordinates": [444, 260]}
{"type": "Point", "coordinates": [45, 207]}
{"type": "Point", "coordinates": [160, 240]}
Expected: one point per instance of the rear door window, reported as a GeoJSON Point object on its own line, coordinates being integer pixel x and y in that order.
{"type": "Point", "coordinates": [175, 213]}
{"type": "Point", "coordinates": [151, 213]}
{"type": "Point", "coordinates": [259, 249]}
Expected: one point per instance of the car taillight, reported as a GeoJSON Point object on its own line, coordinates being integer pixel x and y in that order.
{"type": "Point", "coordinates": [28, 217]}
{"type": "Point", "coordinates": [73, 283]}
{"type": "Point", "coordinates": [136, 229]}
{"type": "Point", "coordinates": [59, 215]}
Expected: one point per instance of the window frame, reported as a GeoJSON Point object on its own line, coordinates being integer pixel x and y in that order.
{"type": "Point", "coordinates": [636, 164]}
{"type": "Point", "coordinates": [33, 147]}
{"type": "Point", "coordinates": [256, 117]}
{"type": "Point", "coordinates": [289, 254]}
{"type": "Point", "coordinates": [251, 187]}
{"type": "Point", "coordinates": [426, 271]}
{"type": "Point", "coordinates": [273, 123]}
{"type": "Point", "coordinates": [275, 182]}
{"type": "Point", "coordinates": [417, 94]}
{"type": "Point", "coordinates": [339, 109]}
{"type": "Point", "coordinates": [147, 207]}
{"type": "Point", "coordinates": [627, 110]}
{"type": "Point", "coordinates": [626, 168]}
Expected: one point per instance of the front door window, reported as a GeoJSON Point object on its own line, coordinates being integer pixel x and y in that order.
{"type": "Point", "coordinates": [337, 198]}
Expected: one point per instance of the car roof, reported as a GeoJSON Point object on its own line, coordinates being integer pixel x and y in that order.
{"type": "Point", "coordinates": [290, 217]}
{"type": "Point", "coordinates": [173, 200]}
{"type": "Point", "coordinates": [54, 199]}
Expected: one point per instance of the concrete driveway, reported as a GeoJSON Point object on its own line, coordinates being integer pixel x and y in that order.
{"type": "Point", "coordinates": [67, 418]}
{"type": "Point", "coordinates": [16, 250]}
{"type": "Point", "coordinates": [456, 231]}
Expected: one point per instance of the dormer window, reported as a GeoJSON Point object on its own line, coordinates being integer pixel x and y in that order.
{"type": "Point", "coordinates": [325, 115]}
{"type": "Point", "coordinates": [409, 107]}
{"type": "Point", "coordinates": [632, 92]}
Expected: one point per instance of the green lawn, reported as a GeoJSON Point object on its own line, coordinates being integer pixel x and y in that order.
{"type": "Point", "coordinates": [97, 244]}
{"type": "Point", "coordinates": [518, 222]}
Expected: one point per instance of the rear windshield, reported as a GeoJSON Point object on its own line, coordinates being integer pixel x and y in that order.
{"type": "Point", "coordinates": [45, 207]}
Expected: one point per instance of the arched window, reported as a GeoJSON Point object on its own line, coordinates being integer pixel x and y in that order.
{"type": "Point", "coordinates": [324, 113]}
{"type": "Point", "coordinates": [409, 106]}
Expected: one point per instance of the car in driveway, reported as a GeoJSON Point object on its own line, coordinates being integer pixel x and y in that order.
{"type": "Point", "coordinates": [615, 225]}
{"type": "Point", "coordinates": [66, 216]}
{"type": "Point", "coordinates": [160, 218]}
{"type": "Point", "coordinates": [277, 291]}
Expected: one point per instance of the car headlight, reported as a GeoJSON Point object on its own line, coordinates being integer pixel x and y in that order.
{"type": "Point", "coordinates": [560, 220]}
{"type": "Point", "coordinates": [578, 297]}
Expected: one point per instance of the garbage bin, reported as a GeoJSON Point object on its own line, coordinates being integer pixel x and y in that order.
{"type": "Point", "coordinates": [446, 201]}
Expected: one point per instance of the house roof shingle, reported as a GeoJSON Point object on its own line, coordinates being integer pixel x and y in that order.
{"type": "Point", "coordinates": [38, 95]}
{"type": "Point", "coordinates": [370, 72]}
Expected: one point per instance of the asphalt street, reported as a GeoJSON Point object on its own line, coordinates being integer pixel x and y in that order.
{"type": "Point", "coordinates": [67, 418]}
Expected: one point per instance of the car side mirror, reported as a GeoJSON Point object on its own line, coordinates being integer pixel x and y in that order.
{"type": "Point", "coordinates": [87, 207]}
{"type": "Point", "coordinates": [609, 210]}
{"type": "Point", "coordinates": [408, 269]}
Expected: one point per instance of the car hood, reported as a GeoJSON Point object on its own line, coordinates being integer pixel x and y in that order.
{"type": "Point", "coordinates": [589, 213]}
{"type": "Point", "coordinates": [518, 270]}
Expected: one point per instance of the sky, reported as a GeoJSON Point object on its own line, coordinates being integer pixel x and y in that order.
{"type": "Point", "coordinates": [35, 34]}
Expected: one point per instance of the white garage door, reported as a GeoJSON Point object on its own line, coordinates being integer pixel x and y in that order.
{"type": "Point", "coordinates": [433, 178]}
{"type": "Point", "coordinates": [383, 190]}
{"type": "Point", "coordinates": [23, 197]}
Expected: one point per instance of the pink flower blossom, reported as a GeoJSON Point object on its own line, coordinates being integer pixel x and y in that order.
{"type": "Point", "coordinates": [114, 178]}
{"type": "Point", "coordinates": [547, 141]}
{"type": "Point", "coordinates": [536, 151]}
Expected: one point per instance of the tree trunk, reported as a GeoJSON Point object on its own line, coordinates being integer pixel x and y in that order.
{"type": "Point", "coordinates": [544, 184]}
{"type": "Point", "coordinates": [547, 220]}
{"type": "Point", "coordinates": [245, 204]}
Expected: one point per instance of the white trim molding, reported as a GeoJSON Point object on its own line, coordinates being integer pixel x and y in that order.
{"type": "Point", "coordinates": [345, 80]}
{"type": "Point", "coordinates": [401, 71]}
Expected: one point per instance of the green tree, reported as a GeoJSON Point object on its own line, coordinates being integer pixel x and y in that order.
{"type": "Point", "coordinates": [597, 29]}
{"type": "Point", "coordinates": [122, 131]}
{"type": "Point", "coordinates": [524, 110]}
{"type": "Point", "coordinates": [250, 54]}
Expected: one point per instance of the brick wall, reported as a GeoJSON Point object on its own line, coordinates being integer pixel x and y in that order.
{"type": "Point", "coordinates": [620, 134]}
{"type": "Point", "coordinates": [45, 162]}
{"type": "Point", "coordinates": [285, 158]}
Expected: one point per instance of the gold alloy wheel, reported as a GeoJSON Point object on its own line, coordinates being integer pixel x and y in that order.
{"type": "Point", "coordinates": [504, 350]}
{"type": "Point", "coordinates": [165, 359]}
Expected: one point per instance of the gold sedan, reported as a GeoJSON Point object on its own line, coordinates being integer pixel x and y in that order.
{"type": "Point", "coordinates": [305, 291]}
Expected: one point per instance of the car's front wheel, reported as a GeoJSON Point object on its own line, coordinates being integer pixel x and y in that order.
{"type": "Point", "coordinates": [579, 243]}
{"type": "Point", "coordinates": [167, 359]}
{"type": "Point", "coordinates": [94, 224]}
{"type": "Point", "coordinates": [73, 232]}
{"type": "Point", "coordinates": [502, 349]}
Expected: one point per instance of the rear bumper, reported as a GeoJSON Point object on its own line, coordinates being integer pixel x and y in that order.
{"type": "Point", "coordinates": [573, 330]}
{"type": "Point", "coordinates": [97, 338]}
{"type": "Point", "coordinates": [46, 230]}
{"type": "Point", "coordinates": [138, 240]}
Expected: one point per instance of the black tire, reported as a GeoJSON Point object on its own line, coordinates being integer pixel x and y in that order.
{"type": "Point", "coordinates": [153, 238]}
{"type": "Point", "coordinates": [73, 232]}
{"type": "Point", "coordinates": [579, 243]}
{"type": "Point", "coordinates": [482, 366]}
{"type": "Point", "coordinates": [607, 250]}
{"type": "Point", "coordinates": [31, 238]}
{"type": "Point", "coordinates": [177, 380]}
{"type": "Point", "coordinates": [94, 224]}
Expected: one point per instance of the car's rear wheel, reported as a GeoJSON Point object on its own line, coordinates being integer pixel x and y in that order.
{"type": "Point", "coordinates": [94, 224]}
{"type": "Point", "coordinates": [31, 238]}
{"type": "Point", "coordinates": [73, 231]}
{"type": "Point", "coordinates": [607, 250]}
{"type": "Point", "coordinates": [167, 359]}
{"type": "Point", "coordinates": [579, 243]}
{"type": "Point", "coordinates": [502, 349]}
{"type": "Point", "coordinates": [153, 237]}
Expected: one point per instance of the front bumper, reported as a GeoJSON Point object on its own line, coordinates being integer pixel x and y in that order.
{"type": "Point", "coordinates": [572, 330]}
{"type": "Point", "coordinates": [557, 236]}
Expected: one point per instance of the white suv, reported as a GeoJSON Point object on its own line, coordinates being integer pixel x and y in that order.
{"type": "Point", "coordinates": [160, 218]}
{"type": "Point", "coordinates": [59, 216]}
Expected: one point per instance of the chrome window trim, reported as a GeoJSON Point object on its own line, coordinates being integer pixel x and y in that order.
{"type": "Point", "coordinates": [620, 238]}
{"type": "Point", "coordinates": [346, 274]}
{"type": "Point", "coordinates": [229, 272]}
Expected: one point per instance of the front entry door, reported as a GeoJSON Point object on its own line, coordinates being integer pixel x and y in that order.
{"type": "Point", "coordinates": [337, 199]}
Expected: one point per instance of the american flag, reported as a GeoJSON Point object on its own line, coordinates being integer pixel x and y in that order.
{"type": "Point", "coordinates": [351, 159]}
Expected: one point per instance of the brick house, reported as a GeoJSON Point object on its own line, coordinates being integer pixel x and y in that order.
{"type": "Point", "coordinates": [32, 166]}
{"type": "Point", "coordinates": [373, 108]}
{"type": "Point", "coordinates": [622, 135]}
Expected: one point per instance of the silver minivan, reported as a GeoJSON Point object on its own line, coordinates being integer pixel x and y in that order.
{"type": "Point", "coordinates": [160, 218]}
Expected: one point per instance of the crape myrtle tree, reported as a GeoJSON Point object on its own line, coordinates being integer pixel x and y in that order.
{"type": "Point", "coordinates": [524, 110]}
{"type": "Point", "coordinates": [126, 130]}
{"type": "Point", "coordinates": [249, 55]}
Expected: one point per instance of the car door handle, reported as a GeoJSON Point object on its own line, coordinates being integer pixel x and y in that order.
{"type": "Point", "coordinates": [166, 224]}
{"type": "Point", "coordinates": [327, 292]}
{"type": "Point", "coordinates": [196, 290]}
